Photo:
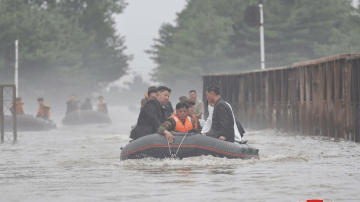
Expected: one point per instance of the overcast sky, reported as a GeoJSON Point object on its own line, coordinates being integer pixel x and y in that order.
{"type": "Point", "coordinates": [140, 24]}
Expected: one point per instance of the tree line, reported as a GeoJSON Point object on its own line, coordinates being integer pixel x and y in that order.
{"type": "Point", "coordinates": [210, 36]}
{"type": "Point", "coordinates": [63, 44]}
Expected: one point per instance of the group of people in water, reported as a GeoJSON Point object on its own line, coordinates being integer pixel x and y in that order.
{"type": "Point", "coordinates": [158, 116]}
{"type": "Point", "coordinates": [71, 105]}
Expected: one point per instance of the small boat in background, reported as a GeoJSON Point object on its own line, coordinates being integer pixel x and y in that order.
{"type": "Point", "coordinates": [28, 123]}
{"type": "Point", "coordinates": [80, 117]}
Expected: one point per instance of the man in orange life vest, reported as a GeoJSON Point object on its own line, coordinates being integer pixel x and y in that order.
{"type": "Point", "coordinates": [19, 104]}
{"type": "Point", "coordinates": [178, 122]}
{"type": "Point", "coordinates": [44, 110]}
{"type": "Point", "coordinates": [191, 104]}
{"type": "Point", "coordinates": [102, 107]}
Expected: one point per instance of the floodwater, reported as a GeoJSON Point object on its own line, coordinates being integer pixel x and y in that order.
{"type": "Point", "coordinates": [82, 164]}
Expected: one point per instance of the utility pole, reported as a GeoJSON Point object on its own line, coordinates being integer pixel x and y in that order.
{"type": "Point", "coordinates": [262, 41]}
{"type": "Point", "coordinates": [16, 68]}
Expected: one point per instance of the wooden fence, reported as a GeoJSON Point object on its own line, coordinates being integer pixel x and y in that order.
{"type": "Point", "coordinates": [318, 97]}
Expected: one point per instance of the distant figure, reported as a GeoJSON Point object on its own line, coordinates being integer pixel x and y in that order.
{"type": "Point", "coordinates": [19, 104]}
{"type": "Point", "coordinates": [72, 104]}
{"type": "Point", "coordinates": [152, 115]}
{"type": "Point", "coordinates": [102, 106]}
{"type": "Point", "coordinates": [86, 105]}
{"type": "Point", "coordinates": [199, 106]}
{"type": "Point", "coordinates": [179, 122]}
{"type": "Point", "coordinates": [44, 110]}
{"type": "Point", "coordinates": [191, 104]}
{"type": "Point", "coordinates": [148, 96]}
{"type": "Point", "coordinates": [183, 98]}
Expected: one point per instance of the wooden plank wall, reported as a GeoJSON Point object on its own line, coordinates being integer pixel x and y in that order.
{"type": "Point", "coordinates": [319, 97]}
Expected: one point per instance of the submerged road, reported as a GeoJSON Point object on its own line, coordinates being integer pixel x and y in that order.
{"type": "Point", "coordinates": [82, 164]}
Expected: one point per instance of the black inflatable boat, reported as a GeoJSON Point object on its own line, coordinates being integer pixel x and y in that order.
{"type": "Point", "coordinates": [185, 145]}
{"type": "Point", "coordinates": [28, 123]}
{"type": "Point", "coordinates": [85, 117]}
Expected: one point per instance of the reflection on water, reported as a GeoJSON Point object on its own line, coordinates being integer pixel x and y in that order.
{"type": "Point", "coordinates": [81, 163]}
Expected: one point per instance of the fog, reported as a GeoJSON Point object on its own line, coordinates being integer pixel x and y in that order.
{"type": "Point", "coordinates": [118, 49]}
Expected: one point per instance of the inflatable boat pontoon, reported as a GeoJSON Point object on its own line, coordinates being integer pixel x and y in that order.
{"type": "Point", "coordinates": [185, 145]}
{"type": "Point", "coordinates": [85, 117]}
{"type": "Point", "coordinates": [28, 123]}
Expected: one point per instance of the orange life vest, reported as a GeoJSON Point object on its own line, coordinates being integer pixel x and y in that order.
{"type": "Point", "coordinates": [101, 107]}
{"type": "Point", "coordinates": [180, 127]}
{"type": "Point", "coordinates": [196, 121]}
{"type": "Point", "coordinates": [41, 111]}
{"type": "Point", "coordinates": [19, 108]}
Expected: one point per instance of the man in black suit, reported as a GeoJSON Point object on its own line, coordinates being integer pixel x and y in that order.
{"type": "Point", "coordinates": [152, 114]}
{"type": "Point", "coordinates": [223, 126]}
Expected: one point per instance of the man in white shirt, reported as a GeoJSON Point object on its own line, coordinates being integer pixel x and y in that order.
{"type": "Point", "coordinates": [207, 126]}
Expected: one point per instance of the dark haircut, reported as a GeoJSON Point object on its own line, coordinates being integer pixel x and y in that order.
{"type": "Point", "coordinates": [152, 90]}
{"type": "Point", "coordinates": [40, 99]}
{"type": "Point", "coordinates": [214, 89]}
{"type": "Point", "coordinates": [182, 98]}
{"type": "Point", "coordinates": [100, 97]}
{"type": "Point", "coordinates": [151, 87]}
{"type": "Point", "coordinates": [161, 89]}
{"type": "Point", "coordinates": [73, 95]}
{"type": "Point", "coordinates": [87, 100]}
{"type": "Point", "coordinates": [190, 102]}
{"type": "Point", "coordinates": [192, 91]}
{"type": "Point", "coordinates": [18, 99]}
{"type": "Point", "coordinates": [182, 105]}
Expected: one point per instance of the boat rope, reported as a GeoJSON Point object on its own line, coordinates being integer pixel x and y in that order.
{"type": "Point", "coordinates": [174, 155]}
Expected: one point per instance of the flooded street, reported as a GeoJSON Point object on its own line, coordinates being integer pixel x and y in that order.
{"type": "Point", "coordinates": [82, 164]}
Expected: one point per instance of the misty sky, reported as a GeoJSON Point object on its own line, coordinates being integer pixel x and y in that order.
{"type": "Point", "coordinates": [140, 24]}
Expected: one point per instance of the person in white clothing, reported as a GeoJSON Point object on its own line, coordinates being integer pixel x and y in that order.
{"type": "Point", "coordinates": [207, 126]}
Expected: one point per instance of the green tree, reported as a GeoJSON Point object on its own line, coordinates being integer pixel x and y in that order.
{"type": "Point", "coordinates": [105, 57]}
{"type": "Point", "coordinates": [47, 39]}
{"type": "Point", "coordinates": [195, 46]}
{"type": "Point", "coordinates": [60, 46]}
{"type": "Point", "coordinates": [137, 84]}
{"type": "Point", "coordinates": [344, 38]}
{"type": "Point", "coordinates": [211, 36]}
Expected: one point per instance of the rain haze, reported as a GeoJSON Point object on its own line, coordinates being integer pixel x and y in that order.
{"type": "Point", "coordinates": [78, 121]}
{"type": "Point", "coordinates": [140, 24]}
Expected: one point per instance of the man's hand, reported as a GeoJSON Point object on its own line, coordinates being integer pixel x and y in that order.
{"type": "Point", "coordinates": [170, 138]}
{"type": "Point", "coordinates": [203, 134]}
{"type": "Point", "coordinates": [222, 138]}
{"type": "Point", "coordinates": [198, 115]}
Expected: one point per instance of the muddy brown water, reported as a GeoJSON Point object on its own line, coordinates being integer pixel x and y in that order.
{"type": "Point", "coordinates": [82, 164]}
